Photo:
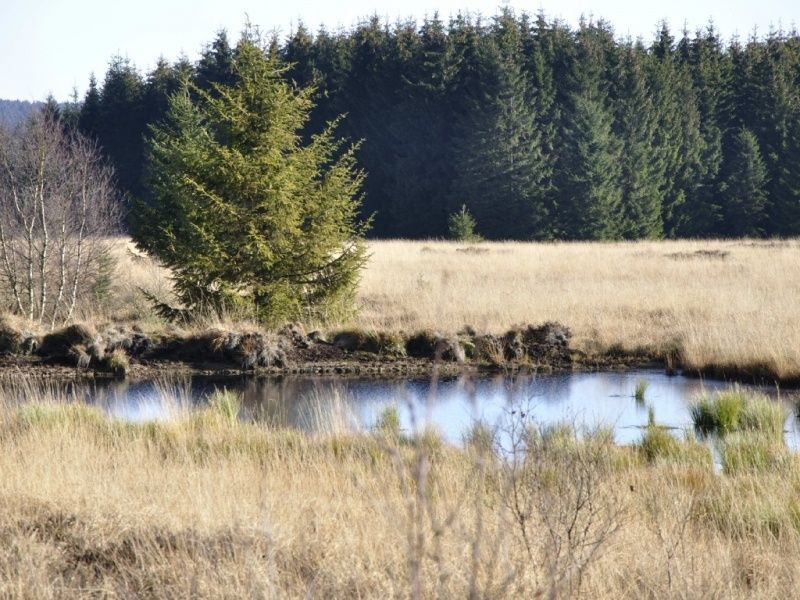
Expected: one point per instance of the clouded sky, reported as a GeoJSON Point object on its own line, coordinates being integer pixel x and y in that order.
{"type": "Point", "coordinates": [51, 46]}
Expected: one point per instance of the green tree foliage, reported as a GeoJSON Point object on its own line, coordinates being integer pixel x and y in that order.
{"type": "Point", "coordinates": [122, 121]}
{"type": "Point", "coordinates": [642, 176]}
{"type": "Point", "coordinates": [589, 178]}
{"type": "Point", "coordinates": [244, 213]}
{"type": "Point", "coordinates": [744, 187]}
{"type": "Point", "coordinates": [502, 170]}
{"type": "Point", "coordinates": [461, 226]}
{"type": "Point", "coordinates": [785, 199]}
{"type": "Point", "coordinates": [511, 115]}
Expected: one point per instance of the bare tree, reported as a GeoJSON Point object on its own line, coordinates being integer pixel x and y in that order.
{"type": "Point", "coordinates": [57, 210]}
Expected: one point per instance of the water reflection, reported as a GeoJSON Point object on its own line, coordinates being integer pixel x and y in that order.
{"type": "Point", "coordinates": [452, 405]}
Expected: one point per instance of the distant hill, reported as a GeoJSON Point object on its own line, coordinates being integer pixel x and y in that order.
{"type": "Point", "coordinates": [13, 112]}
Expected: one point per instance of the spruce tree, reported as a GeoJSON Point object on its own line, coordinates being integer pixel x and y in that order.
{"type": "Point", "coordinates": [784, 205]}
{"type": "Point", "coordinates": [89, 117]}
{"type": "Point", "coordinates": [642, 166]}
{"type": "Point", "coordinates": [744, 187]}
{"type": "Point", "coordinates": [122, 123]}
{"type": "Point", "coordinates": [502, 173]}
{"type": "Point", "coordinates": [241, 210]}
{"type": "Point", "coordinates": [589, 178]}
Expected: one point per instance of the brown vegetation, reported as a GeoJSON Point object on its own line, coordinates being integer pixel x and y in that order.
{"type": "Point", "coordinates": [208, 506]}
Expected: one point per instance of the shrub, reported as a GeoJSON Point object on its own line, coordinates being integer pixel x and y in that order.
{"type": "Point", "coordinates": [461, 226]}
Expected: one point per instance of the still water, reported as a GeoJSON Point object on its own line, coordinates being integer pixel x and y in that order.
{"type": "Point", "coordinates": [451, 405]}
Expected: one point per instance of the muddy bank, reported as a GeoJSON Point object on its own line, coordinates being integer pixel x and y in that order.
{"type": "Point", "coordinates": [80, 352]}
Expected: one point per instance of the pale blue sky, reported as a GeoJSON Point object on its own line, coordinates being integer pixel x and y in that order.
{"type": "Point", "coordinates": [52, 45]}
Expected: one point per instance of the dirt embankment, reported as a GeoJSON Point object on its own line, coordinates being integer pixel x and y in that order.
{"type": "Point", "coordinates": [81, 351]}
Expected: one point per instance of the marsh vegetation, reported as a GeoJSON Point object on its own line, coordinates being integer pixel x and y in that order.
{"type": "Point", "coordinates": [93, 505]}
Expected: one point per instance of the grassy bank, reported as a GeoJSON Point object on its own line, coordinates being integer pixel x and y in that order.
{"type": "Point", "coordinates": [208, 506]}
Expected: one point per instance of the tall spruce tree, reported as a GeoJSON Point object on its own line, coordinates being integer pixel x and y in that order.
{"type": "Point", "coordinates": [744, 187]}
{"type": "Point", "coordinates": [243, 212]}
{"type": "Point", "coordinates": [123, 122]}
{"type": "Point", "coordinates": [89, 116]}
{"type": "Point", "coordinates": [589, 178]}
{"type": "Point", "coordinates": [784, 205]}
{"type": "Point", "coordinates": [502, 174]}
{"type": "Point", "coordinates": [642, 166]}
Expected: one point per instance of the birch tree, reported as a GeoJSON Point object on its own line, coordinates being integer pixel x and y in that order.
{"type": "Point", "coordinates": [57, 211]}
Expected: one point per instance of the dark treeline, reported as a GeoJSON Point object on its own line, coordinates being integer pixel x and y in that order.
{"type": "Point", "coordinates": [543, 131]}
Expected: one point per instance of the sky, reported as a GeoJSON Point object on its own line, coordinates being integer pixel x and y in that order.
{"type": "Point", "coordinates": [51, 46]}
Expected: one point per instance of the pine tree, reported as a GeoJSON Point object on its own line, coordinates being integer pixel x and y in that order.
{"type": "Point", "coordinates": [744, 187]}
{"type": "Point", "coordinates": [589, 178]}
{"type": "Point", "coordinates": [709, 72]}
{"type": "Point", "coordinates": [216, 63]}
{"type": "Point", "coordinates": [122, 123]}
{"type": "Point", "coordinates": [784, 205]}
{"type": "Point", "coordinates": [89, 117]}
{"type": "Point", "coordinates": [642, 167]}
{"type": "Point", "coordinates": [243, 212]}
{"type": "Point", "coordinates": [503, 175]}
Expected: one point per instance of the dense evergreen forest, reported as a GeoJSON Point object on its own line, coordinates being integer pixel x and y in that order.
{"type": "Point", "coordinates": [542, 130]}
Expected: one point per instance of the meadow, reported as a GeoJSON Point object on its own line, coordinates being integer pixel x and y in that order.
{"type": "Point", "coordinates": [726, 305]}
{"type": "Point", "coordinates": [209, 506]}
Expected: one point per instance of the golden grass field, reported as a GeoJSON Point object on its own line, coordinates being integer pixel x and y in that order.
{"type": "Point", "coordinates": [720, 303]}
{"type": "Point", "coordinates": [209, 507]}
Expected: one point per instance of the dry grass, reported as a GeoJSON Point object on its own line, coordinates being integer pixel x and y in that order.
{"type": "Point", "coordinates": [717, 303]}
{"type": "Point", "coordinates": [209, 507]}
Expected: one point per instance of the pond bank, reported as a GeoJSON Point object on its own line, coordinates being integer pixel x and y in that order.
{"type": "Point", "coordinates": [81, 352]}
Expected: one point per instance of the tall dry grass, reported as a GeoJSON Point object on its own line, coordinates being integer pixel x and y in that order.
{"type": "Point", "coordinates": [725, 303]}
{"type": "Point", "coordinates": [209, 507]}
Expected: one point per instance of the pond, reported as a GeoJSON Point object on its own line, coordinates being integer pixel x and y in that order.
{"type": "Point", "coordinates": [584, 399]}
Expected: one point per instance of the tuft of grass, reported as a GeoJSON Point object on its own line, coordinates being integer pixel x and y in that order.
{"type": "Point", "coordinates": [226, 404]}
{"type": "Point", "coordinates": [720, 413]}
{"type": "Point", "coordinates": [659, 446]}
{"type": "Point", "coordinates": [641, 390]}
{"type": "Point", "coordinates": [117, 363]}
{"type": "Point", "coordinates": [752, 452]}
{"type": "Point", "coordinates": [763, 415]}
{"type": "Point", "coordinates": [388, 423]}
{"type": "Point", "coordinates": [480, 438]}
{"type": "Point", "coordinates": [736, 410]}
